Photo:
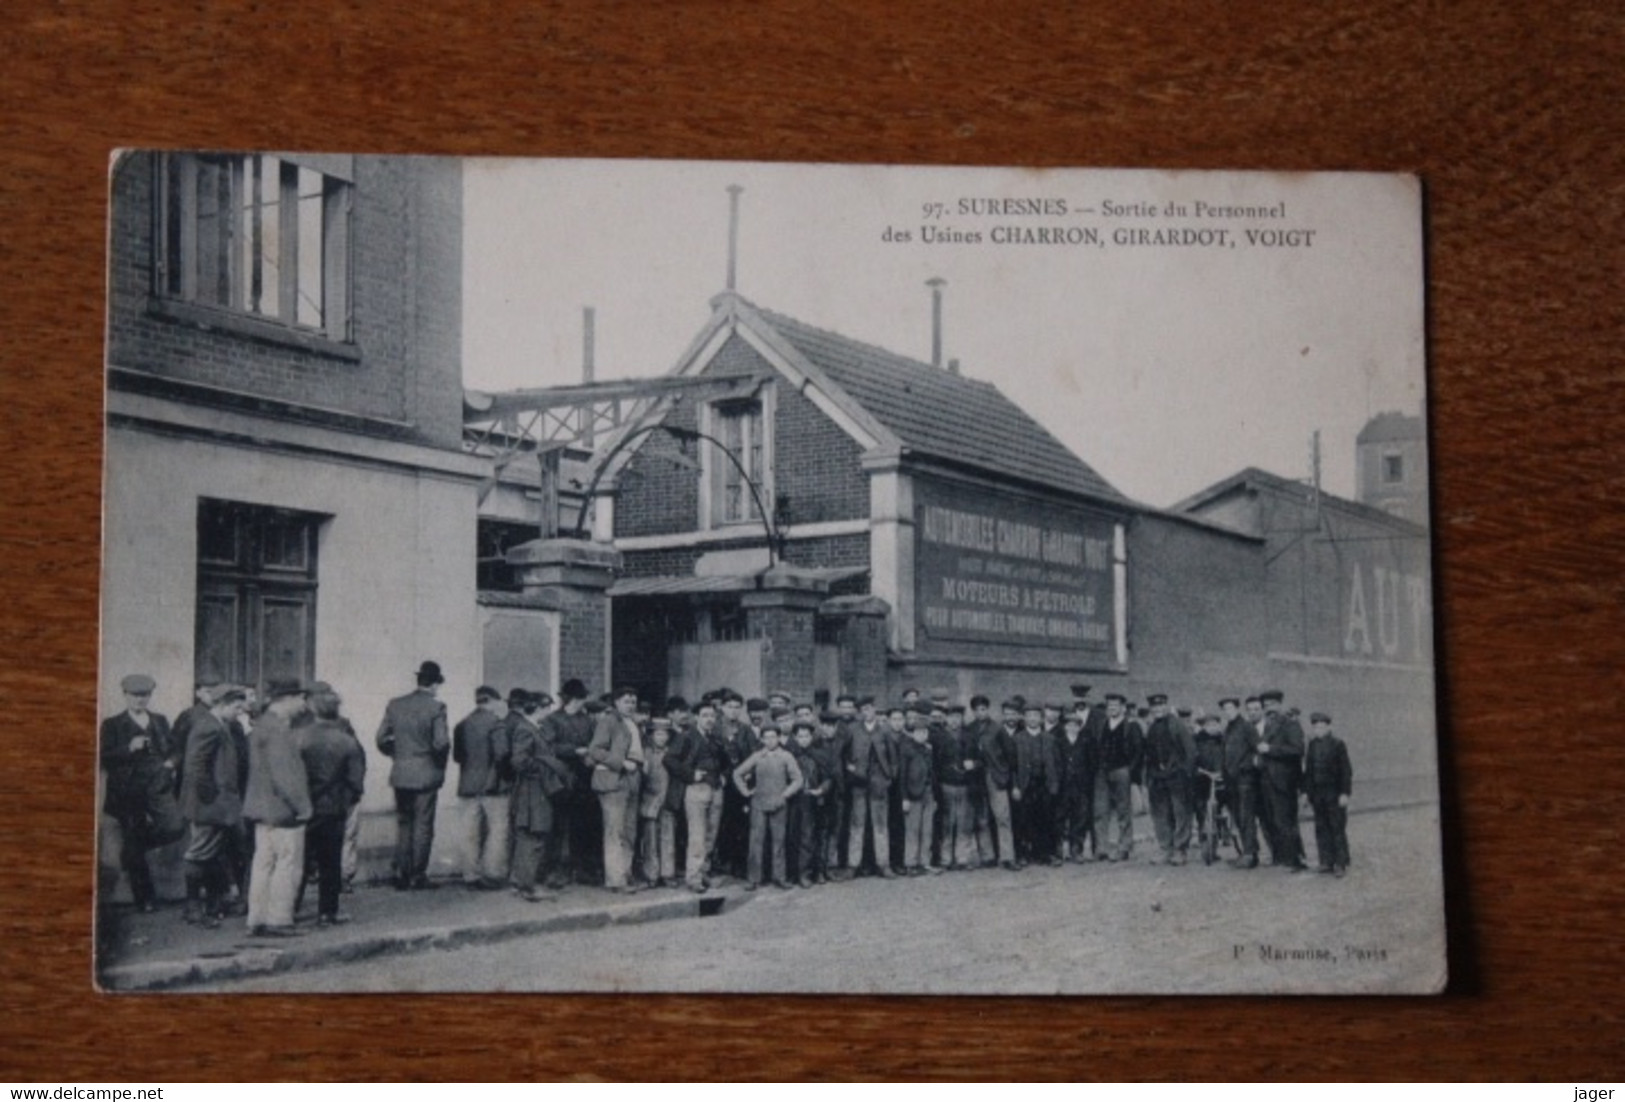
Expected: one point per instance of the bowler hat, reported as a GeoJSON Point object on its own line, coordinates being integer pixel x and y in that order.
{"type": "Point", "coordinates": [429, 674]}
{"type": "Point", "coordinates": [1081, 690]}
{"type": "Point", "coordinates": [285, 686]}
{"type": "Point", "coordinates": [1271, 694]}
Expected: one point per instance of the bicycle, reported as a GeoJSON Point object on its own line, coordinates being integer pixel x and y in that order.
{"type": "Point", "coordinates": [1214, 826]}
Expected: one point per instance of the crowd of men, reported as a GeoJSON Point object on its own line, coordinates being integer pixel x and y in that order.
{"type": "Point", "coordinates": [763, 791]}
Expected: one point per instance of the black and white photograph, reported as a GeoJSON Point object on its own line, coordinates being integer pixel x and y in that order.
{"type": "Point", "coordinates": [662, 576]}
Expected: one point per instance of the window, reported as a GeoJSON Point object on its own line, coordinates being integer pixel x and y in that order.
{"type": "Point", "coordinates": [256, 607]}
{"type": "Point", "coordinates": [733, 482]}
{"type": "Point", "coordinates": [1393, 467]}
{"type": "Point", "coordinates": [261, 235]}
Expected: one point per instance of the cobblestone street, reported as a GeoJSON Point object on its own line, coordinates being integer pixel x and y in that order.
{"type": "Point", "coordinates": [1132, 928]}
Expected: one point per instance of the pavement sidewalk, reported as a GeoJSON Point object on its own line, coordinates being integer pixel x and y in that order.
{"type": "Point", "coordinates": [159, 951]}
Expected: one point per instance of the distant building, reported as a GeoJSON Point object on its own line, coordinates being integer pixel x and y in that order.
{"type": "Point", "coordinates": [286, 493]}
{"type": "Point", "coordinates": [1393, 465]}
{"type": "Point", "coordinates": [1347, 603]}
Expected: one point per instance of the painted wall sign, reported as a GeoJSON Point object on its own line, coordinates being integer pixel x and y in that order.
{"type": "Point", "coordinates": [992, 570]}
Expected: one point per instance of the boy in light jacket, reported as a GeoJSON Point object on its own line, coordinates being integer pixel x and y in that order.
{"type": "Point", "coordinates": [774, 778]}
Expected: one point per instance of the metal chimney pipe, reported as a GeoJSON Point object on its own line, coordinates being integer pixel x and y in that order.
{"type": "Point", "coordinates": [936, 283]}
{"type": "Point", "coordinates": [733, 232]}
{"type": "Point", "coordinates": [588, 365]}
{"type": "Point", "coordinates": [589, 368]}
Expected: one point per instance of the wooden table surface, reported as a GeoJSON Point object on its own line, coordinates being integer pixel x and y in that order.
{"type": "Point", "coordinates": [1511, 113]}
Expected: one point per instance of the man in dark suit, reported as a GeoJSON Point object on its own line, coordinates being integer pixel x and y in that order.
{"type": "Point", "coordinates": [1281, 750]}
{"type": "Point", "coordinates": [180, 731]}
{"type": "Point", "coordinates": [1077, 753]}
{"type": "Point", "coordinates": [838, 801]}
{"type": "Point", "coordinates": [868, 765]}
{"type": "Point", "coordinates": [539, 777]}
{"type": "Point", "coordinates": [997, 743]}
{"type": "Point", "coordinates": [979, 727]}
{"type": "Point", "coordinates": [1328, 782]}
{"type": "Point", "coordinates": [1120, 755]}
{"type": "Point", "coordinates": [414, 734]}
{"type": "Point", "coordinates": [211, 795]}
{"type": "Point", "coordinates": [1033, 787]}
{"type": "Point", "coordinates": [575, 847]}
{"type": "Point", "coordinates": [138, 760]}
{"type": "Point", "coordinates": [335, 771]}
{"type": "Point", "coordinates": [481, 746]}
{"type": "Point", "coordinates": [1170, 759]}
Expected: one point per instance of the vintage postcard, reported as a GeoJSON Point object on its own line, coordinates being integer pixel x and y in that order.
{"type": "Point", "coordinates": [694, 577]}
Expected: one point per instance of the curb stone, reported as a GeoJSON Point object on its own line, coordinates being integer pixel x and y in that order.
{"type": "Point", "coordinates": [248, 961]}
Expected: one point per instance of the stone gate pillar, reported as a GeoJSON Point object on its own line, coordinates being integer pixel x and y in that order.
{"type": "Point", "coordinates": [575, 576]}
{"type": "Point", "coordinates": [860, 623]}
{"type": "Point", "coordinates": [782, 611]}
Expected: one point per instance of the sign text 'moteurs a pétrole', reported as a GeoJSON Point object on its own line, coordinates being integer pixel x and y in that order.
{"type": "Point", "coordinates": [993, 570]}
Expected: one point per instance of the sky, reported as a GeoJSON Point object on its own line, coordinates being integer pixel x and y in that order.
{"type": "Point", "coordinates": [1166, 367]}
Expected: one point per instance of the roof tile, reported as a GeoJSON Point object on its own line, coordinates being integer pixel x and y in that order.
{"type": "Point", "coordinates": [943, 415]}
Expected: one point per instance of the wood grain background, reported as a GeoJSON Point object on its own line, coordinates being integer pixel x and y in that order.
{"type": "Point", "coordinates": [1512, 114]}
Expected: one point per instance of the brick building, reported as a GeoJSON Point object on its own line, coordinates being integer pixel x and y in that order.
{"type": "Point", "coordinates": [925, 530]}
{"type": "Point", "coordinates": [913, 527]}
{"type": "Point", "coordinates": [286, 494]}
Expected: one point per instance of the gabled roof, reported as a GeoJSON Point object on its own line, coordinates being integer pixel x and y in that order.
{"type": "Point", "coordinates": [1256, 478]}
{"type": "Point", "coordinates": [1390, 426]}
{"type": "Point", "coordinates": [940, 415]}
